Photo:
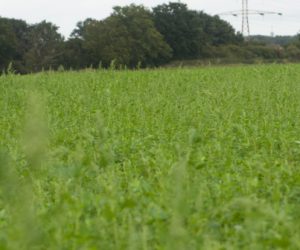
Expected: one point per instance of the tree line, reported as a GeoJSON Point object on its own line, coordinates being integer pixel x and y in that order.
{"type": "Point", "coordinates": [132, 36]}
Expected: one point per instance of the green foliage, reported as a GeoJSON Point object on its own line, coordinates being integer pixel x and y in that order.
{"type": "Point", "coordinates": [188, 32]}
{"type": "Point", "coordinates": [13, 43]}
{"type": "Point", "coordinates": [220, 32]}
{"type": "Point", "coordinates": [293, 52]}
{"type": "Point", "coordinates": [128, 36]}
{"type": "Point", "coordinates": [45, 47]}
{"type": "Point", "coordinates": [278, 40]}
{"type": "Point", "coordinates": [151, 159]}
{"type": "Point", "coordinates": [30, 48]}
{"type": "Point", "coordinates": [181, 28]}
{"type": "Point", "coordinates": [74, 54]}
{"type": "Point", "coordinates": [293, 49]}
{"type": "Point", "coordinates": [135, 37]}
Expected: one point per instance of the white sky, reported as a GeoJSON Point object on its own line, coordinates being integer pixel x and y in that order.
{"type": "Point", "coordinates": [66, 13]}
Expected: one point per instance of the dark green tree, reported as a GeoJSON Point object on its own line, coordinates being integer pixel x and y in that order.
{"type": "Point", "coordinates": [128, 37]}
{"type": "Point", "coordinates": [293, 49]}
{"type": "Point", "coordinates": [219, 32]}
{"type": "Point", "coordinates": [182, 29]}
{"type": "Point", "coordinates": [13, 43]}
{"type": "Point", "coordinates": [74, 55]}
{"type": "Point", "coordinates": [147, 45]}
{"type": "Point", "coordinates": [191, 33]}
{"type": "Point", "coordinates": [81, 28]}
{"type": "Point", "coordinates": [45, 50]}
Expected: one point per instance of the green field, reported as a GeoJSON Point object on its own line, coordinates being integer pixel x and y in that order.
{"type": "Point", "coordinates": [199, 158]}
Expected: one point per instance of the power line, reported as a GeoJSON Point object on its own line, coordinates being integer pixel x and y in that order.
{"type": "Point", "coordinates": [244, 13]}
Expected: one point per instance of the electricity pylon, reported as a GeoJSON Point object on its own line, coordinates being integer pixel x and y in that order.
{"type": "Point", "coordinates": [245, 18]}
{"type": "Point", "coordinates": [245, 13]}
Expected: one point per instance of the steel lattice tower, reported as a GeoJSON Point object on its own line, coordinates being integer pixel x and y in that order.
{"type": "Point", "coordinates": [245, 18]}
{"type": "Point", "coordinates": [245, 13]}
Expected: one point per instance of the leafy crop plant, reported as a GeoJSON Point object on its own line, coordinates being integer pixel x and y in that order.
{"type": "Point", "coordinates": [190, 158]}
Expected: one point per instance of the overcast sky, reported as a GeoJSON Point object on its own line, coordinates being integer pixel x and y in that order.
{"type": "Point", "coordinates": [66, 13]}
